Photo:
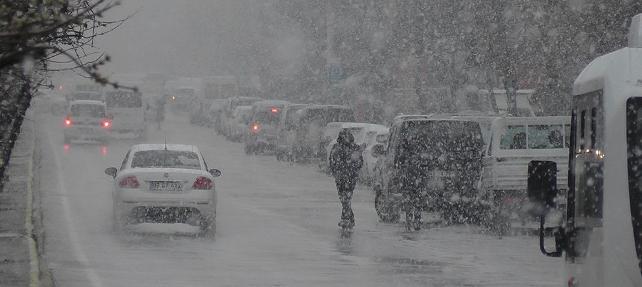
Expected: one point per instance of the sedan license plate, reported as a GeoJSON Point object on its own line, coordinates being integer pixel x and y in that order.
{"type": "Point", "coordinates": [165, 186]}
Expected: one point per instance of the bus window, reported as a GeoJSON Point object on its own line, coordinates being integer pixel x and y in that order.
{"type": "Point", "coordinates": [634, 162]}
{"type": "Point", "coordinates": [545, 137]}
{"type": "Point", "coordinates": [593, 127]}
{"type": "Point", "coordinates": [582, 129]}
{"type": "Point", "coordinates": [513, 138]}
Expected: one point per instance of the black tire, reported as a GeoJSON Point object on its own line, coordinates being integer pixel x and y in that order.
{"type": "Point", "coordinates": [386, 213]}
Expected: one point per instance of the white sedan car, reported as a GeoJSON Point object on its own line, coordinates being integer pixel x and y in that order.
{"type": "Point", "coordinates": [160, 183]}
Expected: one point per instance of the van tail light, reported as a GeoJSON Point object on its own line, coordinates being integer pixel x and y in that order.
{"type": "Point", "coordinates": [203, 183]}
{"type": "Point", "coordinates": [67, 121]}
{"type": "Point", "coordinates": [129, 182]}
{"type": "Point", "coordinates": [105, 123]}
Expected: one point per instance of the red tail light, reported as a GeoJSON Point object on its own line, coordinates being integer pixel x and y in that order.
{"type": "Point", "coordinates": [255, 128]}
{"type": "Point", "coordinates": [275, 110]}
{"type": "Point", "coordinates": [67, 121]}
{"type": "Point", "coordinates": [129, 182]}
{"type": "Point", "coordinates": [105, 124]}
{"type": "Point", "coordinates": [203, 183]}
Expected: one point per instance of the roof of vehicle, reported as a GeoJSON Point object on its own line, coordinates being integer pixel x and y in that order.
{"type": "Point", "coordinates": [86, 102]}
{"type": "Point", "coordinates": [244, 98]}
{"type": "Point", "coordinates": [436, 120]}
{"type": "Point", "coordinates": [349, 124]}
{"type": "Point", "coordinates": [270, 103]}
{"type": "Point", "coordinates": [243, 108]}
{"type": "Point", "coordinates": [321, 107]}
{"type": "Point", "coordinates": [173, 147]}
{"type": "Point", "coordinates": [291, 105]}
{"type": "Point", "coordinates": [410, 117]}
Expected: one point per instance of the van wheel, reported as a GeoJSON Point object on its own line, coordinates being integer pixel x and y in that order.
{"type": "Point", "coordinates": [386, 212]}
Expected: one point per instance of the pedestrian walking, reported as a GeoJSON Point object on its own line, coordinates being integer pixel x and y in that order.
{"type": "Point", "coordinates": [345, 162]}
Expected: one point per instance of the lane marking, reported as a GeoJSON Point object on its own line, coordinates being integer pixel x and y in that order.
{"type": "Point", "coordinates": [79, 254]}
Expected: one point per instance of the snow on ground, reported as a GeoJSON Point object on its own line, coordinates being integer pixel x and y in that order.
{"type": "Point", "coordinates": [276, 226]}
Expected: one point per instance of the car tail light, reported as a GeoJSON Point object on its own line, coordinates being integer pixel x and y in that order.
{"type": "Point", "coordinates": [255, 128]}
{"type": "Point", "coordinates": [68, 121]}
{"type": "Point", "coordinates": [105, 124]}
{"type": "Point", "coordinates": [203, 183]}
{"type": "Point", "coordinates": [129, 182]}
{"type": "Point", "coordinates": [275, 110]}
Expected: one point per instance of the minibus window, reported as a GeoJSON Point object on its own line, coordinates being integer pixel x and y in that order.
{"type": "Point", "coordinates": [634, 162]}
{"type": "Point", "coordinates": [545, 137]}
{"type": "Point", "coordinates": [582, 129]}
{"type": "Point", "coordinates": [593, 127]}
{"type": "Point", "coordinates": [514, 138]}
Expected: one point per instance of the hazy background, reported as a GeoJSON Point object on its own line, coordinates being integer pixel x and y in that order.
{"type": "Point", "coordinates": [195, 37]}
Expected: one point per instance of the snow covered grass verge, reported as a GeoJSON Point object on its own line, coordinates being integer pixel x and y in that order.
{"type": "Point", "coordinates": [20, 221]}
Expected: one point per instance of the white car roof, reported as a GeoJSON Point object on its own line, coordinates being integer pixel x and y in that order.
{"type": "Point", "coordinates": [173, 147]}
{"type": "Point", "coordinates": [86, 102]}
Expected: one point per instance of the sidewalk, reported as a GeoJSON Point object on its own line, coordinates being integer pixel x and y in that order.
{"type": "Point", "coordinates": [19, 259]}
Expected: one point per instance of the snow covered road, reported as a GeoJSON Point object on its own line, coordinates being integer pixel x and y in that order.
{"type": "Point", "coordinates": [276, 226]}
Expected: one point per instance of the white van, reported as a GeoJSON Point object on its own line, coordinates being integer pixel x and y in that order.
{"type": "Point", "coordinates": [512, 144]}
{"type": "Point", "coordinates": [126, 109]}
{"type": "Point", "coordinates": [601, 237]}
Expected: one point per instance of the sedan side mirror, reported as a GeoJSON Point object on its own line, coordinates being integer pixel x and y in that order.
{"type": "Point", "coordinates": [111, 171]}
{"type": "Point", "coordinates": [215, 172]}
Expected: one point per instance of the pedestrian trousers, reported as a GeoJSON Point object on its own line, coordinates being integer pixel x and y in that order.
{"type": "Point", "coordinates": [345, 188]}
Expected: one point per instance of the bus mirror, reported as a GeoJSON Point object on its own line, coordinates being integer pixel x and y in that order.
{"type": "Point", "coordinates": [542, 186]}
{"type": "Point", "coordinates": [542, 190]}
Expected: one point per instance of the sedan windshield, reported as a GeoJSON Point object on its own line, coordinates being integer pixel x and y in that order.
{"type": "Point", "coordinates": [166, 159]}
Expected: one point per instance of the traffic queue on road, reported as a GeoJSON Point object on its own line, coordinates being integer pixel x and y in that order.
{"type": "Point", "coordinates": [471, 168]}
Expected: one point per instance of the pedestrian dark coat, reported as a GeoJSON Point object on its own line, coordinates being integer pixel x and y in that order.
{"type": "Point", "coordinates": [345, 162]}
{"type": "Point", "coordinates": [345, 158]}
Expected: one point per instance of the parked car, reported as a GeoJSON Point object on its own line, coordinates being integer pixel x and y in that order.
{"type": "Point", "coordinates": [228, 108]}
{"type": "Point", "coordinates": [215, 109]}
{"type": "Point", "coordinates": [286, 132]}
{"type": "Point", "coordinates": [161, 183]}
{"type": "Point", "coordinates": [444, 158]}
{"type": "Point", "coordinates": [376, 139]}
{"type": "Point", "coordinates": [86, 121]}
{"type": "Point", "coordinates": [240, 123]}
{"type": "Point", "coordinates": [310, 123]}
{"type": "Point", "coordinates": [263, 126]}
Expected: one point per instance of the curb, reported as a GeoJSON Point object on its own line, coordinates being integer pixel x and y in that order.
{"type": "Point", "coordinates": [32, 233]}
